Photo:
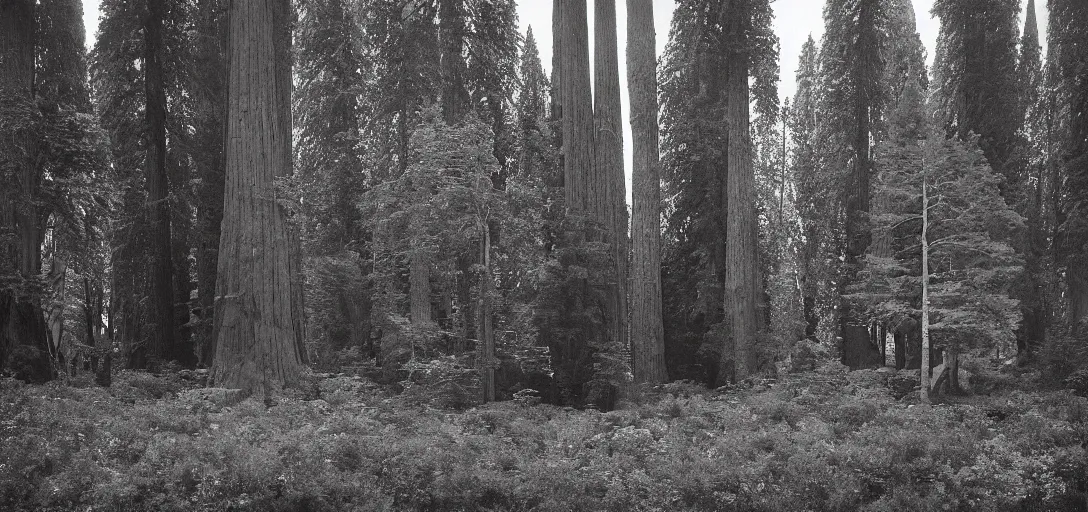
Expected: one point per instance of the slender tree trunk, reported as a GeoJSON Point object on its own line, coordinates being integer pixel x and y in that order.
{"type": "Point", "coordinates": [647, 332]}
{"type": "Point", "coordinates": [742, 280]}
{"type": "Point", "coordinates": [211, 131]}
{"type": "Point", "coordinates": [485, 323]}
{"type": "Point", "coordinates": [258, 317]}
{"type": "Point", "coordinates": [158, 188]}
{"type": "Point", "coordinates": [23, 339]}
{"type": "Point", "coordinates": [924, 371]}
{"type": "Point", "coordinates": [608, 158]}
{"type": "Point", "coordinates": [577, 108]}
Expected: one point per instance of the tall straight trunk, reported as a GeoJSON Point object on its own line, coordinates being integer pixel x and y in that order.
{"type": "Point", "coordinates": [419, 288]}
{"type": "Point", "coordinates": [647, 332]}
{"type": "Point", "coordinates": [158, 190]}
{"type": "Point", "coordinates": [555, 113]}
{"type": "Point", "coordinates": [608, 158]}
{"type": "Point", "coordinates": [455, 105]}
{"type": "Point", "coordinates": [743, 283]}
{"type": "Point", "coordinates": [211, 132]}
{"type": "Point", "coordinates": [258, 313]}
{"type": "Point", "coordinates": [925, 369]}
{"type": "Point", "coordinates": [23, 339]}
{"type": "Point", "coordinates": [451, 26]}
{"type": "Point", "coordinates": [577, 108]}
{"type": "Point", "coordinates": [485, 323]}
{"type": "Point", "coordinates": [857, 349]}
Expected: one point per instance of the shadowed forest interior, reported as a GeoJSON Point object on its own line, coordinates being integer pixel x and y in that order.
{"type": "Point", "coordinates": [377, 255]}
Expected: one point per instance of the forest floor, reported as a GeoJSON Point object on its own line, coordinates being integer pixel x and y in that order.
{"type": "Point", "coordinates": [820, 440]}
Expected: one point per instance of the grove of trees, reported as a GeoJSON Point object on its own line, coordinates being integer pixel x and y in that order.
{"type": "Point", "coordinates": [400, 188]}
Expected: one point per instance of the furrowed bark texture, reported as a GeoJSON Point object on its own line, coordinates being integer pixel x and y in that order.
{"type": "Point", "coordinates": [158, 191]}
{"type": "Point", "coordinates": [577, 106]}
{"type": "Point", "coordinates": [258, 314]}
{"type": "Point", "coordinates": [647, 332]}
{"type": "Point", "coordinates": [23, 340]}
{"type": "Point", "coordinates": [610, 193]}
{"type": "Point", "coordinates": [742, 280]}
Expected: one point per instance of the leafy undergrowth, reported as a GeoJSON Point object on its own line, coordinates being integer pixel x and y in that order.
{"type": "Point", "coordinates": [823, 440]}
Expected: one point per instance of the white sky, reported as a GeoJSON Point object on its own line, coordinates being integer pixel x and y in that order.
{"type": "Point", "coordinates": [794, 21]}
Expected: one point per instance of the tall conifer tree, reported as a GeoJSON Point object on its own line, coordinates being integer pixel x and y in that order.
{"type": "Point", "coordinates": [647, 333]}
{"type": "Point", "coordinates": [258, 320]}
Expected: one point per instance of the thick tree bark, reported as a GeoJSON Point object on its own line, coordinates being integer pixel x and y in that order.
{"type": "Point", "coordinates": [23, 338]}
{"type": "Point", "coordinates": [743, 283]}
{"type": "Point", "coordinates": [258, 313]}
{"type": "Point", "coordinates": [647, 332]}
{"type": "Point", "coordinates": [158, 191]}
{"type": "Point", "coordinates": [608, 159]}
{"type": "Point", "coordinates": [577, 110]}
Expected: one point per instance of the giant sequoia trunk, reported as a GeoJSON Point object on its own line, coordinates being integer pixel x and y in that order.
{"type": "Point", "coordinates": [23, 341]}
{"type": "Point", "coordinates": [158, 190]}
{"type": "Point", "coordinates": [742, 279]}
{"type": "Point", "coordinates": [647, 333]}
{"type": "Point", "coordinates": [610, 196]}
{"type": "Point", "coordinates": [258, 313]}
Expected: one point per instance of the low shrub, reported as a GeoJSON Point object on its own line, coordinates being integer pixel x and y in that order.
{"type": "Point", "coordinates": [803, 444]}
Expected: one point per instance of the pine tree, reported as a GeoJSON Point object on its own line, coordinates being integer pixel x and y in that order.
{"type": "Point", "coordinates": [940, 201]}
{"type": "Point", "coordinates": [258, 319]}
{"type": "Point", "coordinates": [811, 186]}
{"type": "Point", "coordinates": [647, 333]}
{"type": "Point", "coordinates": [532, 112]}
{"type": "Point", "coordinates": [76, 190]}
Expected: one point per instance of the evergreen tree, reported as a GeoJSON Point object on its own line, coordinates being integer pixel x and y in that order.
{"type": "Point", "coordinates": [258, 319]}
{"type": "Point", "coordinates": [812, 185]}
{"type": "Point", "coordinates": [647, 333]}
{"type": "Point", "coordinates": [852, 70]}
{"type": "Point", "coordinates": [532, 112]}
{"type": "Point", "coordinates": [747, 26]}
{"type": "Point", "coordinates": [608, 158]}
{"type": "Point", "coordinates": [1028, 157]}
{"type": "Point", "coordinates": [1068, 51]}
{"type": "Point", "coordinates": [694, 100]}
{"type": "Point", "coordinates": [157, 182]}
{"type": "Point", "coordinates": [976, 80]}
{"type": "Point", "coordinates": [331, 175]}
{"type": "Point", "coordinates": [207, 87]}
{"type": "Point", "coordinates": [953, 264]}
{"type": "Point", "coordinates": [23, 342]}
